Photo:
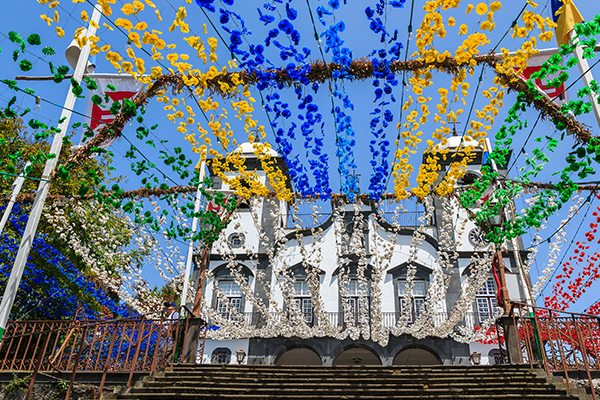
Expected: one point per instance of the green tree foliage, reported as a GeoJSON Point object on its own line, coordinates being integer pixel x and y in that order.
{"type": "Point", "coordinates": [17, 146]}
{"type": "Point", "coordinates": [99, 242]}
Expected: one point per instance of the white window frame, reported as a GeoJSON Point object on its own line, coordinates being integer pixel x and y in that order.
{"type": "Point", "coordinates": [419, 293]}
{"type": "Point", "coordinates": [353, 297]}
{"type": "Point", "coordinates": [485, 300]}
{"type": "Point", "coordinates": [303, 300]}
{"type": "Point", "coordinates": [234, 300]}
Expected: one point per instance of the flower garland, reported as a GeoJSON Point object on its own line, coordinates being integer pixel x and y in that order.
{"type": "Point", "coordinates": [562, 299]}
{"type": "Point", "coordinates": [555, 248]}
{"type": "Point", "coordinates": [364, 318]}
{"type": "Point", "coordinates": [52, 287]}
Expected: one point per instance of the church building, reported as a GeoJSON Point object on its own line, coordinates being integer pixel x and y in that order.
{"type": "Point", "coordinates": [365, 283]}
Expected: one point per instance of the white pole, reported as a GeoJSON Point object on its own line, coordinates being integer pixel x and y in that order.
{"type": "Point", "coordinates": [586, 73]}
{"type": "Point", "coordinates": [10, 291]}
{"type": "Point", "coordinates": [16, 187]}
{"type": "Point", "coordinates": [190, 254]}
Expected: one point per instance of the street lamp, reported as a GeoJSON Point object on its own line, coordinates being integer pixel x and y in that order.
{"type": "Point", "coordinates": [240, 356]}
{"type": "Point", "coordinates": [495, 219]}
{"type": "Point", "coordinates": [475, 358]}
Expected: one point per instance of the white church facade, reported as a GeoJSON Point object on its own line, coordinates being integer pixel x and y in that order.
{"type": "Point", "coordinates": [332, 283]}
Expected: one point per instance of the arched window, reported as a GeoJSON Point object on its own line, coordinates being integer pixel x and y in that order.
{"type": "Point", "coordinates": [485, 305]}
{"type": "Point", "coordinates": [303, 299]}
{"type": "Point", "coordinates": [495, 357]}
{"type": "Point", "coordinates": [410, 302]}
{"type": "Point", "coordinates": [233, 300]}
{"type": "Point", "coordinates": [236, 240]}
{"type": "Point", "coordinates": [358, 298]}
{"type": "Point", "coordinates": [303, 293]}
{"type": "Point", "coordinates": [355, 293]}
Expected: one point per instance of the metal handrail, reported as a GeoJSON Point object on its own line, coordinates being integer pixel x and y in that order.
{"type": "Point", "coordinates": [570, 342]}
{"type": "Point", "coordinates": [74, 323]}
{"type": "Point", "coordinates": [524, 305]}
{"type": "Point", "coordinates": [129, 344]}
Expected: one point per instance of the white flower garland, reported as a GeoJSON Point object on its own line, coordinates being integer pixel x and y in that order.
{"type": "Point", "coordinates": [370, 323]}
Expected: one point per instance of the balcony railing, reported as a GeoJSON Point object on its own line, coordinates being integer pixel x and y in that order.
{"type": "Point", "coordinates": [408, 219]}
{"type": "Point", "coordinates": [388, 319]}
{"type": "Point", "coordinates": [306, 221]}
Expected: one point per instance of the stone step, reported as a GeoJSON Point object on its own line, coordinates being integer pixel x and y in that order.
{"type": "Point", "coordinates": [372, 389]}
{"type": "Point", "coordinates": [287, 396]}
{"type": "Point", "coordinates": [285, 368]}
{"type": "Point", "coordinates": [317, 381]}
{"type": "Point", "coordinates": [348, 374]}
{"type": "Point", "coordinates": [335, 370]}
{"type": "Point", "coordinates": [241, 382]}
{"type": "Point", "coordinates": [328, 376]}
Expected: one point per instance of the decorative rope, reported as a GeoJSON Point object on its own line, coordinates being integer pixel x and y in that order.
{"type": "Point", "coordinates": [336, 197]}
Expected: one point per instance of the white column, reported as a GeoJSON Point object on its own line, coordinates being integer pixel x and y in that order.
{"type": "Point", "coordinates": [587, 76]}
{"type": "Point", "coordinates": [190, 254]}
{"type": "Point", "coordinates": [10, 291]}
{"type": "Point", "coordinates": [16, 187]}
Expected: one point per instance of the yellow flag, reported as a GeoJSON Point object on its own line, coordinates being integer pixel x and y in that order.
{"type": "Point", "coordinates": [566, 17]}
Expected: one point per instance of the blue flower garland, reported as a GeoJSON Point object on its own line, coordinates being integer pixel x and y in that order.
{"type": "Point", "coordinates": [253, 59]}
{"type": "Point", "coordinates": [51, 286]}
{"type": "Point", "coordinates": [384, 81]}
{"type": "Point", "coordinates": [345, 133]}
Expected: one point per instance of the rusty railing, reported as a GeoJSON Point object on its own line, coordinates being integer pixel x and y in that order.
{"type": "Point", "coordinates": [136, 344]}
{"type": "Point", "coordinates": [560, 341]}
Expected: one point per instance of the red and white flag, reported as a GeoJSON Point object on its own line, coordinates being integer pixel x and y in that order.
{"type": "Point", "coordinates": [534, 64]}
{"type": "Point", "coordinates": [216, 208]}
{"type": "Point", "coordinates": [126, 87]}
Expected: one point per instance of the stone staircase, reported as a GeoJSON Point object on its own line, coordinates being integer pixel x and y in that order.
{"type": "Point", "coordinates": [254, 382]}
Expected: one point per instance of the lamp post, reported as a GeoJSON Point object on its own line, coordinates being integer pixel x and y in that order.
{"type": "Point", "coordinates": [512, 346]}
{"type": "Point", "coordinates": [240, 355]}
{"type": "Point", "coordinates": [495, 220]}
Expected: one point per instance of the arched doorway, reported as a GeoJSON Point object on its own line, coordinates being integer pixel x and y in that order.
{"type": "Point", "coordinates": [495, 357]}
{"type": "Point", "coordinates": [416, 356]}
{"type": "Point", "coordinates": [221, 355]}
{"type": "Point", "coordinates": [299, 356]}
{"type": "Point", "coordinates": [357, 355]}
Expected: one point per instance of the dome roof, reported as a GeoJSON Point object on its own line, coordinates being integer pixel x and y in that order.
{"type": "Point", "coordinates": [247, 149]}
{"type": "Point", "coordinates": [454, 142]}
